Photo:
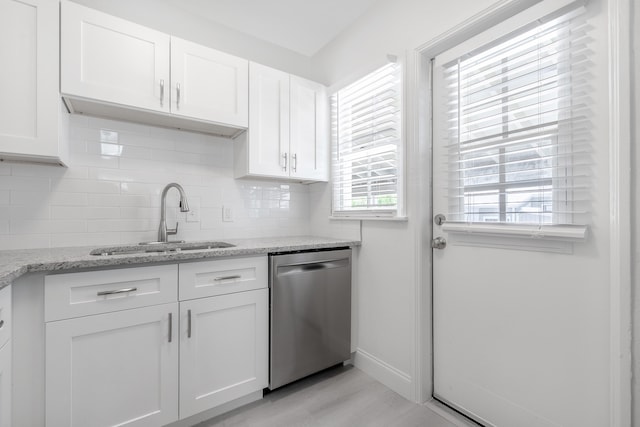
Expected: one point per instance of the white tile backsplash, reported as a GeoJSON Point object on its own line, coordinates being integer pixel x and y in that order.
{"type": "Point", "coordinates": [110, 193]}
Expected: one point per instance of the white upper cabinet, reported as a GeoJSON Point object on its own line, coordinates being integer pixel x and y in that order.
{"type": "Point", "coordinates": [32, 122]}
{"type": "Point", "coordinates": [115, 68]}
{"type": "Point", "coordinates": [206, 83]}
{"type": "Point", "coordinates": [308, 137]}
{"type": "Point", "coordinates": [113, 60]}
{"type": "Point", "coordinates": [287, 135]}
{"type": "Point", "coordinates": [268, 122]}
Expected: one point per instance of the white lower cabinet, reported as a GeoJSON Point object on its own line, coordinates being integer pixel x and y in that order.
{"type": "Point", "coordinates": [223, 349]}
{"type": "Point", "coordinates": [113, 369]}
{"type": "Point", "coordinates": [5, 385]}
{"type": "Point", "coordinates": [152, 360]}
{"type": "Point", "coordinates": [5, 357]}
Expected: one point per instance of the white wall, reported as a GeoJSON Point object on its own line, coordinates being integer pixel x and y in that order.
{"type": "Point", "coordinates": [110, 194]}
{"type": "Point", "coordinates": [162, 16]}
{"type": "Point", "coordinates": [388, 267]}
{"type": "Point", "coordinates": [635, 220]}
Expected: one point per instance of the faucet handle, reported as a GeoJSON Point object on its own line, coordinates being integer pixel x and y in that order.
{"type": "Point", "coordinates": [172, 230]}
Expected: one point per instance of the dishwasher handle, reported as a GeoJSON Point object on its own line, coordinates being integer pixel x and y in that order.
{"type": "Point", "coordinates": [303, 267]}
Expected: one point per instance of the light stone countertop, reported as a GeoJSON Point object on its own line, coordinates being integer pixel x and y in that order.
{"type": "Point", "coordinates": [15, 263]}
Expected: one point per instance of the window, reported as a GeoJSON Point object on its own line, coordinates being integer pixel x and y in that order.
{"type": "Point", "coordinates": [518, 146]}
{"type": "Point", "coordinates": [366, 146]}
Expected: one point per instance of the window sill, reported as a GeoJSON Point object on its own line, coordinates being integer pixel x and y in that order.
{"type": "Point", "coordinates": [369, 218]}
{"type": "Point", "coordinates": [571, 233]}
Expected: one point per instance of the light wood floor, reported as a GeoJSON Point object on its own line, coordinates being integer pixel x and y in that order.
{"type": "Point", "coordinates": [339, 397]}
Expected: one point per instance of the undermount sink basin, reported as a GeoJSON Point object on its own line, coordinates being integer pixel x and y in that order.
{"type": "Point", "coordinates": [160, 247]}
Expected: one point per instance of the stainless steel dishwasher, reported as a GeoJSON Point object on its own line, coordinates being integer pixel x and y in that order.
{"type": "Point", "coordinates": [310, 313]}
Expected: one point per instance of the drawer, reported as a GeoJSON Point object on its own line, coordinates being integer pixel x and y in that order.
{"type": "Point", "coordinates": [5, 315]}
{"type": "Point", "coordinates": [223, 276]}
{"type": "Point", "coordinates": [92, 292]}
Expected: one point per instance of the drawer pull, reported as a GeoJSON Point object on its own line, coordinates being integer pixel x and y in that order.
{"type": "Point", "coordinates": [119, 291]}
{"type": "Point", "coordinates": [237, 276]}
{"type": "Point", "coordinates": [188, 323]}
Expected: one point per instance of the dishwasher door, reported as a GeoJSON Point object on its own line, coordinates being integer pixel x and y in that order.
{"type": "Point", "coordinates": [310, 313]}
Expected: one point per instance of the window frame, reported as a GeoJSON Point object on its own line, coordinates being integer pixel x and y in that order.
{"type": "Point", "coordinates": [372, 213]}
{"type": "Point", "coordinates": [560, 202]}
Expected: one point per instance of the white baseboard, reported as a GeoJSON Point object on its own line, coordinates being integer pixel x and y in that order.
{"type": "Point", "coordinates": [396, 380]}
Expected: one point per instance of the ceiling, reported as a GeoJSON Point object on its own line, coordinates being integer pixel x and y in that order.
{"type": "Point", "coordinates": [303, 26]}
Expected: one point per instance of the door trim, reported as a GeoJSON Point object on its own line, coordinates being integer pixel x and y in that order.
{"type": "Point", "coordinates": [419, 145]}
{"type": "Point", "coordinates": [619, 45]}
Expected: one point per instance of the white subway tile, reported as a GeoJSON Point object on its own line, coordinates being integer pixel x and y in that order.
{"type": "Point", "coordinates": [5, 197]}
{"type": "Point", "coordinates": [135, 200]}
{"type": "Point", "coordinates": [26, 212]}
{"type": "Point", "coordinates": [104, 225]}
{"type": "Point", "coordinates": [69, 239]}
{"type": "Point", "coordinates": [5, 168]}
{"type": "Point", "coordinates": [44, 226]}
{"type": "Point", "coordinates": [85, 186]}
{"type": "Point", "coordinates": [97, 199]}
{"type": "Point", "coordinates": [78, 121]}
{"type": "Point", "coordinates": [94, 160]}
{"type": "Point", "coordinates": [25, 183]}
{"type": "Point", "coordinates": [72, 212]}
{"type": "Point", "coordinates": [137, 188]}
{"type": "Point", "coordinates": [119, 126]}
{"type": "Point", "coordinates": [24, 241]}
{"type": "Point", "coordinates": [29, 198]}
{"type": "Point", "coordinates": [140, 213]}
{"type": "Point", "coordinates": [58, 198]}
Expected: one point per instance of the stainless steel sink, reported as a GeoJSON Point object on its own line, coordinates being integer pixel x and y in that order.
{"type": "Point", "coordinates": [159, 247]}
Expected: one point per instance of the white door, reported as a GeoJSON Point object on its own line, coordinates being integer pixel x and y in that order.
{"type": "Point", "coordinates": [268, 121]}
{"type": "Point", "coordinates": [30, 102]}
{"type": "Point", "coordinates": [209, 85]}
{"type": "Point", "coordinates": [520, 323]}
{"type": "Point", "coordinates": [109, 59]}
{"type": "Point", "coordinates": [309, 153]}
{"type": "Point", "coordinates": [111, 369]}
{"type": "Point", "coordinates": [5, 385]}
{"type": "Point", "coordinates": [223, 349]}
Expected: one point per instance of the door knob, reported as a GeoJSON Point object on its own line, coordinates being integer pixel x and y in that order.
{"type": "Point", "coordinates": [439, 243]}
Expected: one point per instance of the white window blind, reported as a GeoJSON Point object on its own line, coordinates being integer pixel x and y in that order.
{"type": "Point", "coordinates": [366, 145]}
{"type": "Point", "coordinates": [518, 136]}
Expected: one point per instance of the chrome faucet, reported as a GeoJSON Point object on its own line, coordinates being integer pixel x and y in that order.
{"type": "Point", "coordinates": [163, 231]}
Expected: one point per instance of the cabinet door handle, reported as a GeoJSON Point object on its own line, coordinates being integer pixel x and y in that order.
{"type": "Point", "coordinates": [162, 92]}
{"type": "Point", "coordinates": [170, 326]}
{"type": "Point", "coordinates": [178, 96]}
{"type": "Point", "coordinates": [1, 324]}
{"type": "Point", "coordinates": [294, 162]}
{"type": "Point", "coordinates": [286, 158]}
{"type": "Point", "coordinates": [237, 276]}
{"type": "Point", "coordinates": [119, 291]}
{"type": "Point", "coordinates": [188, 323]}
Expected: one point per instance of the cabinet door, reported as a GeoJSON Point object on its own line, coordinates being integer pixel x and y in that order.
{"type": "Point", "coordinates": [30, 102]}
{"type": "Point", "coordinates": [309, 136]}
{"type": "Point", "coordinates": [268, 121]}
{"type": "Point", "coordinates": [208, 85]}
{"type": "Point", "coordinates": [223, 349]}
{"type": "Point", "coordinates": [5, 385]}
{"type": "Point", "coordinates": [109, 59]}
{"type": "Point", "coordinates": [113, 369]}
